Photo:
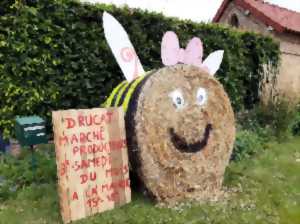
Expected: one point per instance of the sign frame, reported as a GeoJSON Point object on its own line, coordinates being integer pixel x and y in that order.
{"type": "Point", "coordinates": [92, 161]}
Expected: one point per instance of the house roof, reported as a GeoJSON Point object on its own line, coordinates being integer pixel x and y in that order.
{"type": "Point", "coordinates": [279, 18]}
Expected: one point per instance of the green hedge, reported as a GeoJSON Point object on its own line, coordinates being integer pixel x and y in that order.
{"type": "Point", "coordinates": [53, 55]}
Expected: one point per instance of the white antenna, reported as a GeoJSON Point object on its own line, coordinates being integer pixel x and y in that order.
{"type": "Point", "coordinates": [122, 48]}
{"type": "Point", "coordinates": [213, 61]}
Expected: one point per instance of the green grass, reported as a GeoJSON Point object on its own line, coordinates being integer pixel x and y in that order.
{"type": "Point", "coordinates": [266, 190]}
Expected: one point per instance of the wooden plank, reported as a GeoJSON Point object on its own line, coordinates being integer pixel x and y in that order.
{"type": "Point", "coordinates": [92, 161]}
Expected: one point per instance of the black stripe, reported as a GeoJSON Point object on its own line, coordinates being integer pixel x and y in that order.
{"type": "Point", "coordinates": [130, 124]}
{"type": "Point", "coordinates": [125, 93]}
{"type": "Point", "coordinates": [117, 93]}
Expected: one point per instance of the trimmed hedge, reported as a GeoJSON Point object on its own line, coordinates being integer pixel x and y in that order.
{"type": "Point", "coordinates": [53, 55]}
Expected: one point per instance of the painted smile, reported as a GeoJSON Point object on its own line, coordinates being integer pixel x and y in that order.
{"type": "Point", "coordinates": [182, 145]}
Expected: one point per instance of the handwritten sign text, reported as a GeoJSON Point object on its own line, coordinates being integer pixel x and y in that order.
{"type": "Point", "coordinates": [92, 161]}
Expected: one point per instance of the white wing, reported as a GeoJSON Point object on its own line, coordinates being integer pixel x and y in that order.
{"type": "Point", "coordinates": [122, 48]}
{"type": "Point", "coordinates": [213, 61]}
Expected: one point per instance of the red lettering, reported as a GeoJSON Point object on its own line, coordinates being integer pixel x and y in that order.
{"type": "Point", "coordinates": [85, 164]}
{"type": "Point", "coordinates": [117, 171]}
{"type": "Point", "coordinates": [103, 147]}
{"type": "Point", "coordinates": [82, 149]}
{"type": "Point", "coordinates": [114, 186]}
{"type": "Point", "coordinates": [81, 120]}
{"type": "Point", "coordinates": [75, 149]}
{"type": "Point", "coordinates": [88, 137]}
{"type": "Point", "coordinates": [100, 133]}
{"type": "Point", "coordinates": [104, 187]}
{"type": "Point", "coordinates": [93, 176]}
{"type": "Point", "coordinates": [95, 148]}
{"type": "Point", "coordinates": [97, 121]}
{"type": "Point", "coordinates": [89, 120]}
{"type": "Point", "coordinates": [76, 166]}
{"type": "Point", "coordinates": [114, 197]}
{"type": "Point", "coordinates": [75, 196]}
{"type": "Point", "coordinates": [89, 202]}
{"type": "Point", "coordinates": [92, 192]}
{"type": "Point", "coordinates": [124, 183]}
{"type": "Point", "coordinates": [101, 161]}
{"type": "Point", "coordinates": [91, 148]}
{"type": "Point", "coordinates": [82, 138]}
{"type": "Point", "coordinates": [74, 139]}
{"type": "Point", "coordinates": [94, 202]}
{"type": "Point", "coordinates": [63, 140]}
{"type": "Point", "coordinates": [103, 118]}
{"type": "Point", "coordinates": [109, 116]}
{"type": "Point", "coordinates": [125, 169]}
{"type": "Point", "coordinates": [70, 123]}
{"type": "Point", "coordinates": [63, 167]}
{"type": "Point", "coordinates": [117, 145]}
{"type": "Point", "coordinates": [85, 177]}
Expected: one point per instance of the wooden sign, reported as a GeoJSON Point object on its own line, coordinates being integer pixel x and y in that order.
{"type": "Point", "coordinates": [92, 161]}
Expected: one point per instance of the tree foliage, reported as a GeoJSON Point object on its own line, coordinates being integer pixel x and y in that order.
{"type": "Point", "coordinates": [53, 55]}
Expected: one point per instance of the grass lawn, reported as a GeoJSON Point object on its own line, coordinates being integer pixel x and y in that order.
{"type": "Point", "coordinates": [267, 190]}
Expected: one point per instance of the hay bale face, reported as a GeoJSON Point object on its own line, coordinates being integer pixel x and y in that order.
{"type": "Point", "coordinates": [179, 121]}
{"type": "Point", "coordinates": [180, 127]}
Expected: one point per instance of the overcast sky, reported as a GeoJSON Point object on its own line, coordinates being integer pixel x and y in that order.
{"type": "Point", "coordinates": [197, 10]}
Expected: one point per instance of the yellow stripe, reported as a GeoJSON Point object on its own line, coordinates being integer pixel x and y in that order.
{"type": "Point", "coordinates": [131, 91]}
{"type": "Point", "coordinates": [120, 93]}
{"type": "Point", "coordinates": [109, 100]}
{"type": "Point", "coordinates": [120, 89]}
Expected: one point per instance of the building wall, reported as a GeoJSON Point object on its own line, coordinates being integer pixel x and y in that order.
{"type": "Point", "coordinates": [289, 74]}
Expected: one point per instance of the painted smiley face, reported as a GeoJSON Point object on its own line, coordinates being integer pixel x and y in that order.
{"type": "Point", "coordinates": [179, 103]}
{"type": "Point", "coordinates": [186, 110]}
{"type": "Point", "coordinates": [184, 131]}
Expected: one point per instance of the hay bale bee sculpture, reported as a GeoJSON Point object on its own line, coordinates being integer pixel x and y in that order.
{"type": "Point", "coordinates": [179, 120]}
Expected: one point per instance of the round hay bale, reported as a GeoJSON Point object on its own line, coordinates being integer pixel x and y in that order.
{"type": "Point", "coordinates": [180, 132]}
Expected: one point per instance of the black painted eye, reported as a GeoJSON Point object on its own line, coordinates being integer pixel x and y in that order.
{"type": "Point", "coordinates": [201, 96]}
{"type": "Point", "coordinates": [178, 101]}
{"type": "Point", "coordinates": [177, 98]}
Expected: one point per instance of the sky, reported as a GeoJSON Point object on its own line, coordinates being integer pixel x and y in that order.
{"type": "Point", "coordinates": [196, 10]}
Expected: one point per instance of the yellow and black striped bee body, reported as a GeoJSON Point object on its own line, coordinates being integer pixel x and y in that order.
{"type": "Point", "coordinates": [126, 94]}
{"type": "Point", "coordinates": [122, 94]}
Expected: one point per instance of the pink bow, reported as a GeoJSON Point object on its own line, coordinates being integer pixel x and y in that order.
{"type": "Point", "coordinates": [172, 54]}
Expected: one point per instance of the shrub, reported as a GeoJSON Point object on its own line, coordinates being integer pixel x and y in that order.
{"type": "Point", "coordinates": [277, 120]}
{"type": "Point", "coordinates": [17, 173]}
{"type": "Point", "coordinates": [250, 120]}
{"type": "Point", "coordinates": [295, 127]}
{"type": "Point", "coordinates": [278, 115]}
{"type": "Point", "coordinates": [247, 144]}
{"type": "Point", "coordinates": [53, 55]}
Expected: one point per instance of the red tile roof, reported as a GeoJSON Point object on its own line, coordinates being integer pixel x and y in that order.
{"type": "Point", "coordinates": [279, 18]}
